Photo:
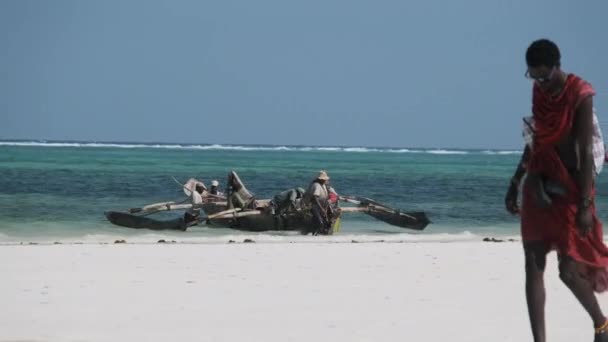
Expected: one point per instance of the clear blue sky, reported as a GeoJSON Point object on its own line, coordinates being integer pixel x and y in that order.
{"type": "Point", "coordinates": [357, 73]}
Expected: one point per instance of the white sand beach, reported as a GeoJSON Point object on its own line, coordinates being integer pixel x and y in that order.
{"type": "Point", "coordinates": [460, 291]}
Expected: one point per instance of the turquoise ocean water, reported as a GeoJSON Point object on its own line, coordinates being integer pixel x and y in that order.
{"type": "Point", "coordinates": [58, 191]}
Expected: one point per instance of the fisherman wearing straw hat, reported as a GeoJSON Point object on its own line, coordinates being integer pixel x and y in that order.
{"type": "Point", "coordinates": [317, 195]}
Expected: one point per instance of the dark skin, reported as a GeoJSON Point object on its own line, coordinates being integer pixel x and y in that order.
{"type": "Point", "coordinates": [575, 151]}
{"type": "Point", "coordinates": [315, 198]}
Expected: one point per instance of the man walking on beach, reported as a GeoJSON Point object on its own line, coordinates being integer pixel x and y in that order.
{"type": "Point", "coordinates": [558, 209]}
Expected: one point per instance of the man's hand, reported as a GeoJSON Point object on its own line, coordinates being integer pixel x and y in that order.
{"type": "Point", "coordinates": [584, 220]}
{"type": "Point", "coordinates": [511, 199]}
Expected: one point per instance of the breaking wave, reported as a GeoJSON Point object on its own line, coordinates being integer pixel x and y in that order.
{"type": "Point", "coordinates": [219, 147]}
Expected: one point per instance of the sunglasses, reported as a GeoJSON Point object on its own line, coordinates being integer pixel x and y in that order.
{"type": "Point", "coordinates": [542, 79]}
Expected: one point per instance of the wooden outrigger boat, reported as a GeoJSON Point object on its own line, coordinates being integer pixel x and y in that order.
{"type": "Point", "coordinates": [240, 210]}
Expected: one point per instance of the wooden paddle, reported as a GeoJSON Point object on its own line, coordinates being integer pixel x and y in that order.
{"type": "Point", "coordinates": [230, 213]}
{"type": "Point", "coordinates": [222, 213]}
{"type": "Point", "coordinates": [162, 206]}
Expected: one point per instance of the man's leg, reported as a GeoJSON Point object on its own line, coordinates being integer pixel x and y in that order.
{"type": "Point", "coordinates": [536, 260]}
{"type": "Point", "coordinates": [570, 274]}
{"type": "Point", "coordinates": [317, 219]}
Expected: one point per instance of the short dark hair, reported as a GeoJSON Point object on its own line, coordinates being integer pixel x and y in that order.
{"type": "Point", "coordinates": [543, 52]}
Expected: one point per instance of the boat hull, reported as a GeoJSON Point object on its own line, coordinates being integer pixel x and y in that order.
{"type": "Point", "coordinates": [142, 222]}
{"type": "Point", "coordinates": [299, 221]}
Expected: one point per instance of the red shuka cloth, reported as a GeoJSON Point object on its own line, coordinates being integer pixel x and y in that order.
{"type": "Point", "coordinates": [556, 225]}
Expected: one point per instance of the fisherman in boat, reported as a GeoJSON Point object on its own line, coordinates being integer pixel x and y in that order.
{"type": "Point", "coordinates": [215, 188]}
{"type": "Point", "coordinates": [317, 197]}
{"type": "Point", "coordinates": [196, 199]}
{"type": "Point", "coordinates": [287, 201]}
{"type": "Point", "coordinates": [191, 185]}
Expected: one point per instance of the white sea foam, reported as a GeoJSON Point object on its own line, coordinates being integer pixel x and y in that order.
{"type": "Point", "coordinates": [220, 147]}
{"type": "Point", "coordinates": [506, 152]}
{"type": "Point", "coordinates": [442, 151]}
{"type": "Point", "coordinates": [322, 148]}
{"type": "Point", "coordinates": [361, 149]}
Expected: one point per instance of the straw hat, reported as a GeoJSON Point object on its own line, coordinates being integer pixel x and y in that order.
{"type": "Point", "coordinates": [215, 183]}
{"type": "Point", "coordinates": [323, 175]}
